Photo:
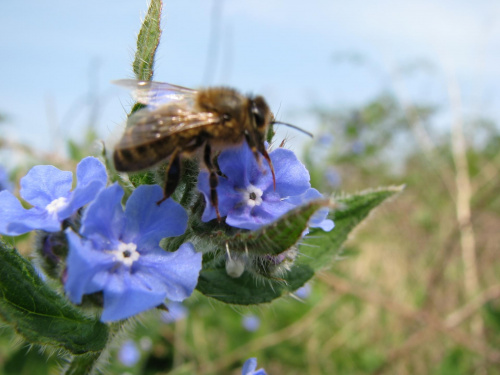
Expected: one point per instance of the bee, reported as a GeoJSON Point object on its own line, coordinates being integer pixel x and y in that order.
{"type": "Point", "coordinates": [178, 121]}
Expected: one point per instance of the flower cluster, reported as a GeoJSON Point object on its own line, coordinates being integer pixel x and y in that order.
{"type": "Point", "coordinates": [247, 197]}
{"type": "Point", "coordinates": [115, 251]}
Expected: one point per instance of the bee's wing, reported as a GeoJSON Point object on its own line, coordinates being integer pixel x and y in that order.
{"type": "Point", "coordinates": [146, 126]}
{"type": "Point", "coordinates": [153, 94]}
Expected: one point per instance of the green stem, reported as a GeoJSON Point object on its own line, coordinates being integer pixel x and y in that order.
{"type": "Point", "coordinates": [83, 364]}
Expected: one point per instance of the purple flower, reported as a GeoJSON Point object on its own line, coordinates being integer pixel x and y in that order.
{"type": "Point", "coordinates": [129, 353]}
{"type": "Point", "coordinates": [249, 368]}
{"type": "Point", "coordinates": [246, 193]}
{"type": "Point", "coordinates": [119, 253]}
{"type": "Point", "coordinates": [48, 190]}
{"type": "Point", "coordinates": [251, 322]}
{"type": "Point", "coordinates": [176, 311]}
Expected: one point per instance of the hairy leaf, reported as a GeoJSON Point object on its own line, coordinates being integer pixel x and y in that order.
{"type": "Point", "coordinates": [147, 42]}
{"type": "Point", "coordinates": [41, 315]}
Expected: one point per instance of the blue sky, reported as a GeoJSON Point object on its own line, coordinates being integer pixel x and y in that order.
{"type": "Point", "coordinates": [292, 52]}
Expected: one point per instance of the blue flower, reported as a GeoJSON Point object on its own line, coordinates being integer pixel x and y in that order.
{"type": "Point", "coordinates": [129, 353]}
{"type": "Point", "coordinates": [48, 190]}
{"type": "Point", "coordinates": [318, 220]}
{"type": "Point", "coordinates": [251, 322]}
{"type": "Point", "coordinates": [246, 193]}
{"type": "Point", "coordinates": [249, 368]}
{"type": "Point", "coordinates": [304, 292]}
{"type": "Point", "coordinates": [333, 177]}
{"type": "Point", "coordinates": [176, 311]}
{"type": "Point", "coordinates": [5, 183]}
{"type": "Point", "coordinates": [118, 253]}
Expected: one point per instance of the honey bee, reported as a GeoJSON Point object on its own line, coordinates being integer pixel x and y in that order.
{"type": "Point", "coordinates": [178, 121]}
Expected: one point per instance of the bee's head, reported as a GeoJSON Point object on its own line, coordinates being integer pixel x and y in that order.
{"type": "Point", "coordinates": [261, 116]}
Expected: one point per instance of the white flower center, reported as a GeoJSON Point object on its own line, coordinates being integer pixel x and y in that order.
{"type": "Point", "coordinates": [252, 196]}
{"type": "Point", "coordinates": [56, 205]}
{"type": "Point", "coordinates": [126, 253]}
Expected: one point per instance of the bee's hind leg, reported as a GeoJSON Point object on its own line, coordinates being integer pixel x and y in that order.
{"type": "Point", "coordinates": [172, 176]}
{"type": "Point", "coordinates": [213, 179]}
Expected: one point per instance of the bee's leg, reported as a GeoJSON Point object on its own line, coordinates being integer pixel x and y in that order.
{"type": "Point", "coordinates": [172, 176]}
{"type": "Point", "coordinates": [268, 159]}
{"type": "Point", "coordinates": [213, 179]}
{"type": "Point", "coordinates": [259, 147]}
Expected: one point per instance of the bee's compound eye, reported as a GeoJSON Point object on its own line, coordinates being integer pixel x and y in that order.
{"type": "Point", "coordinates": [257, 115]}
{"type": "Point", "coordinates": [260, 112]}
{"type": "Point", "coordinates": [226, 117]}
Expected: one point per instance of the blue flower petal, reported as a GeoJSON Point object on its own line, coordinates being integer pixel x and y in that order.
{"type": "Point", "coordinates": [83, 264]}
{"type": "Point", "coordinates": [34, 218]}
{"type": "Point", "coordinates": [319, 219]}
{"type": "Point", "coordinates": [176, 311]}
{"type": "Point", "coordinates": [125, 297]}
{"type": "Point", "coordinates": [229, 196]}
{"type": "Point", "coordinates": [16, 220]}
{"type": "Point", "coordinates": [292, 177]}
{"type": "Point", "coordinates": [177, 273]}
{"type": "Point", "coordinates": [253, 218]}
{"type": "Point", "coordinates": [45, 183]}
{"type": "Point", "coordinates": [91, 178]}
{"type": "Point", "coordinates": [234, 163]}
{"type": "Point", "coordinates": [147, 223]}
{"type": "Point", "coordinates": [103, 220]}
{"type": "Point", "coordinates": [249, 368]}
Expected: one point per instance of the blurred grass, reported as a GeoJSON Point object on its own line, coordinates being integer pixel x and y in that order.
{"type": "Point", "coordinates": [397, 301]}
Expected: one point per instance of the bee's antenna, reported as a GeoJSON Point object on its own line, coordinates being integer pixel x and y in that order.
{"type": "Point", "coordinates": [293, 126]}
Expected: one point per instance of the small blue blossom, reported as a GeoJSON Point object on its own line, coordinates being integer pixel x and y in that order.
{"type": "Point", "coordinates": [118, 253]}
{"type": "Point", "coordinates": [318, 220]}
{"type": "Point", "coordinates": [249, 368]}
{"type": "Point", "coordinates": [358, 147]}
{"type": "Point", "coordinates": [5, 183]}
{"type": "Point", "coordinates": [129, 353]}
{"type": "Point", "coordinates": [48, 190]}
{"type": "Point", "coordinates": [247, 197]}
{"type": "Point", "coordinates": [176, 311]}
{"type": "Point", "coordinates": [333, 177]}
{"type": "Point", "coordinates": [251, 322]}
{"type": "Point", "coordinates": [304, 292]}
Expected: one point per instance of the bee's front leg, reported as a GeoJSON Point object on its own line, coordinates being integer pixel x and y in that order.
{"type": "Point", "coordinates": [213, 179]}
{"type": "Point", "coordinates": [172, 176]}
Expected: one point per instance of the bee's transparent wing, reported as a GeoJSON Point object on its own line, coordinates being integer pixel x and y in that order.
{"type": "Point", "coordinates": [154, 94]}
{"type": "Point", "coordinates": [146, 126]}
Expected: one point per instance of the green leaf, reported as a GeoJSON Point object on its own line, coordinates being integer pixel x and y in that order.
{"type": "Point", "coordinates": [147, 42]}
{"type": "Point", "coordinates": [41, 315]}
{"type": "Point", "coordinates": [319, 246]}
{"type": "Point", "coordinates": [316, 250]}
